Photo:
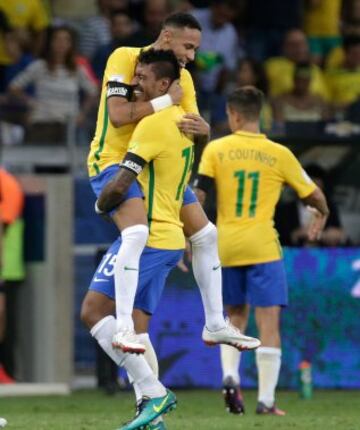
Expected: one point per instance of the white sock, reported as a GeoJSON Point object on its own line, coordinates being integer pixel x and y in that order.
{"type": "Point", "coordinates": [150, 357]}
{"type": "Point", "coordinates": [268, 361]}
{"type": "Point", "coordinates": [207, 272]}
{"type": "Point", "coordinates": [141, 373]}
{"type": "Point", "coordinates": [230, 362]}
{"type": "Point", "coordinates": [126, 275]}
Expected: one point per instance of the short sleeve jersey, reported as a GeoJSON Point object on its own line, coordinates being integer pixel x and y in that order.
{"type": "Point", "coordinates": [110, 144]}
{"type": "Point", "coordinates": [169, 154]}
{"type": "Point", "coordinates": [249, 172]}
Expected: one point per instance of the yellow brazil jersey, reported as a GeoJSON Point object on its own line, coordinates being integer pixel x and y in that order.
{"type": "Point", "coordinates": [324, 19]}
{"type": "Point", "coordinates": [249, 171]}
{"type": "Point", "coordinates": [282, 67]}
{"type": "Point", "coordinates": [30, 14]}
{"type": "Point", "coordinates": [344, 85]}
{"type": "Point", "coordinates": [110, 144]}
{"type": "Point", "coordinates": [170, 155]}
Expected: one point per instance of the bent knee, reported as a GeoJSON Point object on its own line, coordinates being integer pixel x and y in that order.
{"type": "Point", "coordinates": [94, 308]}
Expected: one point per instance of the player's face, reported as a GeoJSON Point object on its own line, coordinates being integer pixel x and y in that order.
{"type": "Point", "coordinates": [147, 86]}
{"type": "Point", "coordinates": [183, 42]}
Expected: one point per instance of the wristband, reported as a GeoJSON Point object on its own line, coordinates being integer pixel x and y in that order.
{"type": "Point", "coordinates": [162, 102]}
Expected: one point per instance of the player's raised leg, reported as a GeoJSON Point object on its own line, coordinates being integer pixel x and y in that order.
{"type": "Point", "coordinates": [207, 271]}
{"type": "Point", "coordinates": [131, 220]}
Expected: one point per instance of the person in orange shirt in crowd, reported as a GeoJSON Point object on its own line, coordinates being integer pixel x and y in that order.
{"type": "Point", "coordinates": [11, 266]}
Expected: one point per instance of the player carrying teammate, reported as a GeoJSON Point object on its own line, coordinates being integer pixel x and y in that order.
{"type": "Point", "coordinates": [117, 117]}
{"type": "Point", "coordinates": [249, 172]}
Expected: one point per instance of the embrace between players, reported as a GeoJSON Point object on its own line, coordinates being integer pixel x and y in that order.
{"type": "Point", "coordinates": [139, 166]}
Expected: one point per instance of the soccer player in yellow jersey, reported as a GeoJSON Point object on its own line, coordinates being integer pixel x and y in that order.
{"type": "Point", "coordinates": [161, 156]}
{"type": "Point", "coordinates": [249, 171]}
{"type": "Point", "coordinates": [117, 117]}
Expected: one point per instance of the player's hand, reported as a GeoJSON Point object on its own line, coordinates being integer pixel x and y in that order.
{"type": "Point", "coordinates": [316, 225]}
{"type": "Point", "coordinates": [175, 92]}
{"type": "Point", "coordinates": [192, 123]}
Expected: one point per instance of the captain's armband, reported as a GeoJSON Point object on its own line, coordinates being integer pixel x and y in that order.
{"type": "Point", "coordinates": [133, 162]}
{"type": "Point", "coordinates": [119, 89]}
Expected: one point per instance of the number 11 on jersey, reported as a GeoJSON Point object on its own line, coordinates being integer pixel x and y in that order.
{"type": "Point", "coordinates": [243, 178]}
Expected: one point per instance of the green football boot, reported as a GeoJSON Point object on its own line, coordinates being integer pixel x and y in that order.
{"type": "Point", "coordinates": [150, 410]}
{"type": "Point", "coordinates": [159, 426]}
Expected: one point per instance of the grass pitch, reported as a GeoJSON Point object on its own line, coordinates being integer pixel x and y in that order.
{"type": "Point", "coordinates": [199, 410]}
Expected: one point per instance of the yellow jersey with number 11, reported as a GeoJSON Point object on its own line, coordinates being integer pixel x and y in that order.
{"type": "Point", "coordinates": [249, 172]}
{"type": "Point", "coordinates": [169, 154]}
{"type": "Point", "coordinates": [110, 144]}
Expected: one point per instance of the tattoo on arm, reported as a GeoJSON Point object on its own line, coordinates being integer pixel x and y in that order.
{"type": "Point", "coordinates": [113, 193]}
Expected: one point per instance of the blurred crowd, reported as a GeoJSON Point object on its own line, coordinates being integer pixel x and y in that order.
{"type": "Point", "coordinates": [303, 54]}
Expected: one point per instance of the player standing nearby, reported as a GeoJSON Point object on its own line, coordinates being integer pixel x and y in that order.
{"type": "Point", "coordinates": [116, 122]}
{"type": "Point", "coordinates": [249, 172]}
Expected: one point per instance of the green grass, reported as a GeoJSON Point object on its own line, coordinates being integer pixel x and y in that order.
{"type": "Point", "coordinates": [198, 410]}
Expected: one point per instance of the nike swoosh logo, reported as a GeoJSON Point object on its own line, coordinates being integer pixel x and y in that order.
{"type": "Point", "coordinates": [216, 267]}
{"type": "Point", "coordinates": [100, 280]}
{"type": "Point", "coordinates": [157, 409]}
{"type": "Point", "coordinates": [130, 268]}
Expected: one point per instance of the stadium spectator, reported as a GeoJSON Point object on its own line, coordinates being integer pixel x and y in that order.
{"type": "Point", "coordinates": [299, 104]}
{"type": "Point", "coordinates": [350, 27]}
{"type": "Point", "coordinates": [248, 72]}
{"type": "Point", "coordinates": [57, 81]}
{"type": "Point", "coordinates": [292, 217]}
{"type": "Point", "coordinates": [322, 26]}
{"type": "Point", "coordinates": [248, 171]}
{"type": "Point", "coordinates": [12, 269]}
{"type": "Point", "coordinates": [344, 81]}
{"type": "Point", "coordinates": [96, 29]}
{"type": "Point", "coordinates": [266, 22]}
{"type": "Point", "coordinates": [122, 27]}
{"type": "Point", "coordinates": [30, 19]}
{"type": "Point", "coordinates": [217, 55]}
{"type": "Point", "coordinates": [154, 14]}
{"type": "Point", "coordinates": [295, 50]}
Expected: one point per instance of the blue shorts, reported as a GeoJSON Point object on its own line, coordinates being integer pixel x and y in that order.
{"type": "Point", "coordinates": [99, 181]}
{"type": "Point", "coordinates": [155, 265]}
{"type": "Point", "coordinates": [257, 285]}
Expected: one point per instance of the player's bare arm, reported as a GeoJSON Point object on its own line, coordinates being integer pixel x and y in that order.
{"type": "Point", "coordinates": [122, 111]}
{"type": "Point", "coordinates": [113, 193]}
{"type": "Point", "coordinates": [320, 212]}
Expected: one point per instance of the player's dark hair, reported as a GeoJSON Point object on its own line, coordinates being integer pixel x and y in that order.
{"type": "Point", "coordinates": [164, 63]}
{"type": "Point", "coordinates": [248, 101]}
{"type": "Point", "coordinates": [182, 20]}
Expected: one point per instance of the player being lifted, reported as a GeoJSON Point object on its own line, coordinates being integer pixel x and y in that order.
{"type": "Point", "coordinates": [249, 171]}
{"type": "Point", "coordinates": [117, 117]}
